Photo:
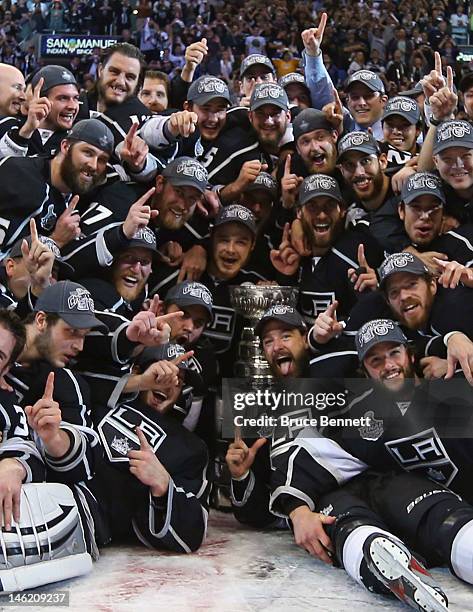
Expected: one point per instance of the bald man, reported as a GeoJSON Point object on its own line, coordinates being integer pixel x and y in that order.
{"type": "Point", "coordinates": [12, 91]}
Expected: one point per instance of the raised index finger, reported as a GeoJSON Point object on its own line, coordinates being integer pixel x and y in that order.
{"type": "Point", "coordinates": [450, 78]}
{"type": "Point", "coordinates": [287, 165]}
{"type": "Point", "coordinates": [322, 24]}
{"type": "Point", "coordinates": [145, 197]}
{"type": "Point", "coordinates": [438, 62]}
{"type": "Point", "coordinates": [33, 231]}
{"type": "Point", "coordinates": [169, 316]}
{"type": "Point", "coordinates": [332, 308]}
{"type": "Point", "coordinates": [144, 444]}
{"type": "Point", "coordinates": [183, 357]}
{"type": "Point", "coordinates": [361, 256]}
{"type": "Point", "coordinates": [37, 89]}
{"type": "Point", "coordinates": [49, 388]}
{"type": "Point", "coordinates": [73, 203]}
{"type": "Point", "coordinates": [131, 133]}
{"type": "Point", "coordinates": [338, 102]}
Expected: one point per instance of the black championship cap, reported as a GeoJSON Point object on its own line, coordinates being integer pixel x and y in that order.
{"type": "Point", "coordinates": [358, 141]}
{"type": "Point", "coordinates": [144, 238]}
{"type": "Point", "coordinates": [265, 182]}
{"type": "Point", "coordinates": [207, 88]}
{"type": "Point", "coordinates": [404, 107]}
{"type": "Point", "coordinates": [466, 82]}
{"type": "Point", "coordinates": [366, 77]}
{"type": "Point", "coordinates": [422, 183]}
{"type": "Point", "coordinates": [317, 185]}
{"type": "Point", "coordinates": [258, 59]}
{"type": "Point", "coordinates": [65, 269]}
{"type": "Point", "coordinates": [377, 331]}
{"type": "Point", "coordinates": [400, 262]}
{"type": "Point", "coordinates": [73, 303]}
{"type": "Point", "coordinates": [284, 314]}
{"type": "Point", "coordinates": [453, 134]}
{"type": "Point", "coordinates": [53, 76]}
{"type": "Point", "coordinates": [187, 172]}
{"type": "Point", "coordinates": [169, 352]}
{"type": "Point", "coordinates": [268, 93]}
{"type": "Point", "coordinates": [235, 213]}
{"type": "Point", "coordinates": [308, 120]}
{"type": "Point", "coordinates": [93, 132]}
{"type": "Point", "coordinates": [190, 293]}
{"type": "Point", "coordinates": [293, 77]}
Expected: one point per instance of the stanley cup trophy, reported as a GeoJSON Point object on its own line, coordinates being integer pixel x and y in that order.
{"type": "Point", "coordinates": [252, 301]}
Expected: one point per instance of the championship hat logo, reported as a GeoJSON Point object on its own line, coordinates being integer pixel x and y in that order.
{"type": "Point", "coordinates": [354, 139]}
{"type": "Point", "coordinates": [374, 430]}
{"type": "Point", "coordinates": [146, 235]}
{"type": "Point", "coordinates": [279, 309]}
{"type": "Point", "coordinates": [374, 329]}
{"type": "Point", "coordinates": [453, 129]}
{"type": "Point", "coordinates": [194, 169]}
{"type": "Point", "coordinates": [269, 91]}
{"type": "Point", "coordinates": [320, 182]}
{"type": "Point", "coordinates": [211, 85]}
{"type": "Point", "coordinates": [256, 59]}
{"type": "Point", "coordinates": [199, 291]}
{"type": "Point", "coordinates": [403, 104]}
{"type": "Point", "coordinates": [174, 350]}
{"type": "Point", "coordinates": [80, 299]}
{"type": "Point", "coordinates": [237, 211]}
{"type": "Point", "coordinates": [423, 180]}
{"type": "Point", "coordinates": [364, 75]}
{"type": "Point", "coordinates": [266, 180]}
{"type": "Point", "coordinates": [398, 260]}
{"type": "Point", "coordinates": [52, 246]}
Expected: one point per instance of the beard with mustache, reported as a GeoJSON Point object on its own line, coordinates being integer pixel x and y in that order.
{"type": "Point", "coordinates": [70, 174]}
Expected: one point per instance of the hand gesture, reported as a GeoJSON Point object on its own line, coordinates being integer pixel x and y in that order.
{"type": "Point", "coordinates": [312, 37]}
{"type": "Point", "coordinates": [182, 123]}
{"type": "Point", "coordinates": [240, 457]}
{"type": "Point", "coordinates": [431, 260]}
{"type": "Point", "coordinates": [433, 367]}
{"type": "Point", "coordinates": [139, 215]}
{"type": "Point", "coordinates": [309, 532]}
{"type": "Point", "coordinates": [149, 328]}
{"type": "Point", "coordinates": [44, 417]}
{"type": "Point", "coordinates": [444, 101]}
{"type": "Point", "coordinates": [434, 81]}
{"type": "Point", "coordinates": [334, 112]}
{"type": "Point", "coordinates": [67, 227]}
{"type": "Point", "coordinates": [290, 184]}
{"type": "Point", "coordinates": [298, 239]}
{"type": "Point", "coordinates": [249, 172]}
{"type": "Point", "coordinates": [454, 273]}
{"type": "Point", "coordinates": [364, 277]}
{"type": "Point", "coordinates": [286, 259]}
{"type": "Point", "coordinates": [171, 253]}
{"type": "Point", "coordinates": [193, 264]}
{"type": "Point", "coordinates": [460, 351]}
{"type": "Point", "coordinates": [326, 325]}
{"type": "Point", "coordinates": [38, 260]}
{"type": "Point", "coordinates": [134, 150]}
{"type": "Point", "coordinates": [195, 53]}
{"type": "Point", "coordinates": [145, 466]}
{"type": "Point", "coordinates": [38, 109]}
{"type": "Point", "coordinates": [210, 204]}
{"type": "Point", "coordinates": [12, 474]}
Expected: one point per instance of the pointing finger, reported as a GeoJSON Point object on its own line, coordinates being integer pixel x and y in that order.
{"type": "Point", "coordinates": [287, 165]}
{"type": "Point", "coordinates": [361, 256]}
{"type": "Point", "coordinates": [49, 388]}
{"type": "Point", "coordinates": [332, 309]}
{"type": "Point", "coordinates": [450, 78]}
{"type": "Point", "coordinates": [169, 316]}
{"type": "Point", "coordinates": [144, 444]}
{"type": "Point", "coordinates": [438, 62]}
{"type": "Point", "coordinates": [73, 203]}
{"type": "Point", "coordinates": [33, 231]}
{"type": "Point", "coordinates": [321, 28]}
{"type": "Point", "coordinates": [37, 89]}
{"type": "Point", "coordinates": [131, 134]}
{"type": "Point", "coordinates": [183, 357]}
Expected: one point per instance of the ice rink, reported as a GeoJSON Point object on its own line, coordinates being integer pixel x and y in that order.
{"type": "Point", "coordinates": [236, 570]}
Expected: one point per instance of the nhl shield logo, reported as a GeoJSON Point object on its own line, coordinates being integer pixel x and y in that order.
{"type": "Point", "coordinates": [374, 430]}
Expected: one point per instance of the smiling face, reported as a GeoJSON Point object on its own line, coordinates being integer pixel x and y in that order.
{"type": "Point", "coordinates": [12, 91]}
{"type": "Point", "coordinates": [260, 203]}
{"type": "Point", "coordinates": [455, 166]}
{"type": "Point", "coordinates": [154, 95]}
{"type": "Point", "coordinates": [285, 349]}
{"type": "Point", "coordinates": [389, 363]}
{"type": "Point", "coordinates": [270, 123]}
{"type": "Point", "coordinates": [298, 95]}
{"type": "Point", "coordinates": [83, 166]}
{"type": "Point", "coordinates": [400, 133]}
{"type": "Point", "coordinates": [176, 204]}
{"type": "Point", "coordinates": [130, 272]}
{"type": "Point", "coordinates": [410, 297]}
{"type": "Point", "coordinates": [258, 73]}
{"type": "Point", "coordinates": [364, 173]}
{"type": "Point", "coordinates": [322, 220]}
{"type": "Point", "coordinates": [365, 105]}
{"type": "Point", "coordinates": [211, 117]}
{"type": "Point", "coordinates": [318, 150]}
{"type": "Point", "coordinates": [422, 219]}
{"type": "Point", "coordinates": [232, 244]}
{"type": "Point", "coordinates": [118, 79]}
{"type": "Point", "coordinates": [64, 107]}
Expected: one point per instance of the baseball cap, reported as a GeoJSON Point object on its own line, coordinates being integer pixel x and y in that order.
{"type": "Point", "coordinates": [284, 314]}
{"type": "Point", "coordinates": [376, 331]}
{"type": "Point", "coordinates": [422, 183]}
{"type": "Point", "coordinates": [190, 293]}
{"type": "Point", "coordinates": [415, 91]}
{"type": "Point", "coordinates": [268, 93]}
{"type": "Point", "coordinates": [358, 141]}
{"type": "Point", "coordinates": [207, 88]}
{"type": "Point", "coordinates": [258, 59]}
{"type": "Point", "coordinates": [93, 132]}
{"type": "Point", "coordinates": [403, 106]}
{"type": "Point", "coordinates": [187, 172]}
{"type": "Point", "coordinates": [144, 238]}
{"type": "Point", "coordinates": [73, 303]}
{"type": "Point", "coordinates": [53, 76]}
{"type": "Point", "coordinates": [65, 269]}
{"type": "Point", "coordinates": [401, 262]}
{"type": "Point", "coordinates": [264, 181]}
{"type": "Point", "coordinates": [466, 82]}
{"type": "Point", "coordinates": [293, 77]}
{"type": "Point", "coordinates": [366, 77]}
{"type": "Point", "coordinates": [317, 185]}
{"type": "Point", "coordinates": [308, 120]}
{"type": "Point", "coordinates": [453, 134]}
{"type": "Point", "coordinates": [235, 213]}
{"type": "Point", "coordinates": [169, 352]}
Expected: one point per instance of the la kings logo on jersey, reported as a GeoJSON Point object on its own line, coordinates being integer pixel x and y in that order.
{"type": "Point", "coordinates": [117, 432]}
{"type": "Point", "coordinates": [222, 328]}
{"type": "Point", "coordinates": [424, 451]}
{"type": "Point", "coordinates": [312, 303]}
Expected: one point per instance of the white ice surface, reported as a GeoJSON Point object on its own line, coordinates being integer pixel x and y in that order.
{"type": "Point", "coordinates": [237, 570]}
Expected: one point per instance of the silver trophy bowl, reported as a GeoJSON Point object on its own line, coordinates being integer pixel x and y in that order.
{"type": "Point", "coordinates": [251, 302]}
